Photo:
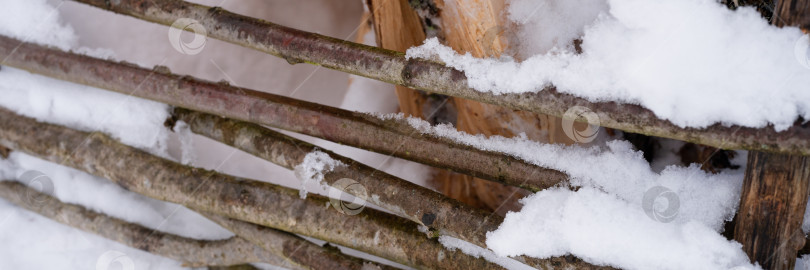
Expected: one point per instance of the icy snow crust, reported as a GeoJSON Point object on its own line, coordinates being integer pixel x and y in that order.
{"type": "Point", "coordinates": [692, 62]}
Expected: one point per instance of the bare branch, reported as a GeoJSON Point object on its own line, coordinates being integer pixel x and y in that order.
{"type": "Point", "coordinates": [295, 248]}
{"type": "Point", "coordinates": [401, 197]}
{"type": "Point", "coordinates": [370, 231]}
{"type": "Point", "coordinates": [192, 252]}
{"type": "Point", "coordinates": [389, 137]}
{"type": "Point", "coordinates": [299, 46]}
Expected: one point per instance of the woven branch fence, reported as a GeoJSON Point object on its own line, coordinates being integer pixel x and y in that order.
{"type": "Point", "coordinates": [267, 218]}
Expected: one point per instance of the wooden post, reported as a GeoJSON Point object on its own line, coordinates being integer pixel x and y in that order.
{"type": "Point", "coordinates": [776, 187]}
{"type": "Point", "coordinates": [772, 205]}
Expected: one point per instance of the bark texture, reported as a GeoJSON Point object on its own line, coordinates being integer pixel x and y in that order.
{"type": "Point", "coordinates": [774, 197]}
{"type": "Point", "coordinates": [389, 66]}
{"type": "Point", "coordinates": [296, 250]}
{"type": "Point", "coordinates": [370, 231]}
{"type": "Point", "coordinates": [389, 137]}
{"type": "Point", "coordinates": [403, 198]}
{"type": "Point", "coordinates": [192, 252]}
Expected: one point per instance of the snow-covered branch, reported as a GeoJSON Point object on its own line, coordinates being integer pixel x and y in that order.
{"type": "Point", "coordinates": [298, 46]}
{"type": "Point", "coordinates": [386, 136]}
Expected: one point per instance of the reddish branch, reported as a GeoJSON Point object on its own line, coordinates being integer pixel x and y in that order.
{"type": "Point", "coordinates": [261, 203]}
{"type": "Point", "coordinates": [401, 197]}
{"type": "Point", "coordinates": [192, 252]}
{"type": "Point", "coordinates": [299, 46]}
{"type": "Point", "coordinates": [390, 137]}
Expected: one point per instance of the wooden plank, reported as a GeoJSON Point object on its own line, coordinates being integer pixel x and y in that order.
{"type": "Point", "coordinates": [475, 26]}
{"type": "Point", "coordinates": [772, 208]}
{"type": "Point", "coordinates": [398, 27]}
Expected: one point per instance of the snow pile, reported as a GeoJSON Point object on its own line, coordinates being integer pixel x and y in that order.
{"type": "Point", "coordinates": [35, 21]}
{"type": "Point", "coordinates": [313, 168]}
{"type": "Point", "coordinates": [133, 121]}
{"type": "Point", "coordinates": [693, 62]}
{"type": "Point", "coordinates": [623, 214]}
{"type": "Point", "coordinates": [548, 24]}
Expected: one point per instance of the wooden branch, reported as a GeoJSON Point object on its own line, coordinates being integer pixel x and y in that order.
{"type": "Point", "coordinates": [192, 252]}
{"type": "Point", "coordinates": [299, 46]}
{"type": "Point", "coordinates": [261, 203]}
{"type": "Point", "coordinates": [772, 204]}
{"type": "Point", "coordinates": [389, 137]}
{"type": "Point", "coordinates": [293, 247]}
{"type": "Point", "coordinates": [396, 195]}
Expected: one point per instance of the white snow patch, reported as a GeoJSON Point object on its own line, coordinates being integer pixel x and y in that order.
{"type": "Point", "coordinates": [611, 207]}
{"type": "Point", "coordinates": [468, 248]}
{"type": "Point", "coordinates": [188, 155]}
{"type": "Point", "coordinates": [604, 230]}
{"type": "Point", "coordinates": [692, 62]}
{"type": "Point", "coordinates": [313, 168]}
{"type": "Point", "coordinates": [546, 24]}
{"type": "Point", "coordinates": [35, 21]}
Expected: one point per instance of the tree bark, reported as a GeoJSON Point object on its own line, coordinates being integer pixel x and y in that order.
{"type": "Point", "coordinates": [774, 197]}
{"type": "Point", "coordinates": [298, 46]}
{"type": "Point", "coordinates": [192, 252]}
{"type": "Point", "coordinates": [370, 231]}
{"type": "Point", "coordinates": [389, 137]}
{"type": "Point", "coordinates": [296, 250]}
{"type": "Point", "coordinates": [419, 204]}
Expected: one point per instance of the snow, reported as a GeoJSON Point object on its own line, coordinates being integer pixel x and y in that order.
{"type": "Point", "coordinates": [313, 168]}
{"type": "Point", "coordinates": [35, 21]}
{"type": "Point", "coordinates": [623, 213]}
{"type": "Point", "coordinates": [693, 62]}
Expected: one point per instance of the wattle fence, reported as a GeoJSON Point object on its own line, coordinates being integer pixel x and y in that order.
{"type": "Point", "coordinates": [266, 218]}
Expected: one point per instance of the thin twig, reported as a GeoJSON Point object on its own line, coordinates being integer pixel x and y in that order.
{"type": "Point", "coordinates": [417, 203]}
{"type": "Point", "coordinates": [298, 46]}
{"type": "Point", "coordinates": [192, 252]}
{"type": "Point", "coordinates": [374, 232]}
{"type": "Point", "coordinates": [389, 137]}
